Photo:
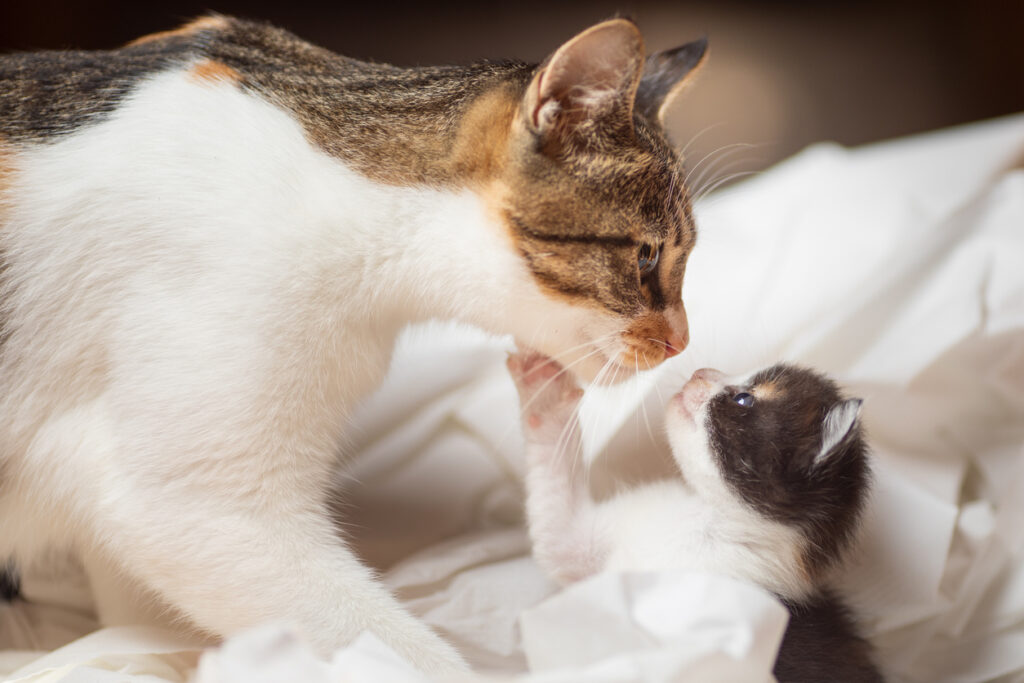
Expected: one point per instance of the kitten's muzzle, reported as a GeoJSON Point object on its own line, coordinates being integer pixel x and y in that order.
{"type": "Point", "coordinates": [702, 385]}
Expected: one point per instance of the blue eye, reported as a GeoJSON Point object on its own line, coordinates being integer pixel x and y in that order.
{"type": "Point", "coordinates": [647, 258]}
{"type": "Point", "coordinates": [744, 399]}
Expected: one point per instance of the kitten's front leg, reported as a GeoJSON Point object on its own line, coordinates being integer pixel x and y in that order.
{"type": "Point", "coordinates": [558, 504]}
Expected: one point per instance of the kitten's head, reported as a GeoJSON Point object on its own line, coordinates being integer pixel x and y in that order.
{"type": "Point", "coordinates": [783, 443]}
{"type": "Point", "coordinates": [595, 203]}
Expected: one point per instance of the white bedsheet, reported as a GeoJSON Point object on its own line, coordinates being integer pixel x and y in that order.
{"type": "Point", "coordinates": [898, 267]}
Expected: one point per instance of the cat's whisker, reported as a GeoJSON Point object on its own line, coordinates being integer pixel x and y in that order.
{"type": "Point", "coordinates": [722, 181]}
{"type": "Point", "coordinates": [697, 136]}
{"type": "Point", "coordinates": [599, 378]}
{"type": "Point", "coordinates": [709, 171]}
{"type": "Point", "coordinates": [555, 377]}
{"type": "Point", "coordinates": [736, 146]}
{"type": "Point", "coordinates": [596, 343]}
{"type": "Point", "coordinates": [713, 174]}
{"type": "Point", "coordinates": [647, 417]}
{"type": "Point", "coordinates": [720, 168]}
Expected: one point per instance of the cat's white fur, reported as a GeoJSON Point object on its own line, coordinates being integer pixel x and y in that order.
{"type": "Point", "coordinates": [697, 524]}
{"type": "Point", "coordinates": [197, 297]}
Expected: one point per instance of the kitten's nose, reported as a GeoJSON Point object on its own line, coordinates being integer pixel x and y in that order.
{"type": "Point", "coordinates": [709, 375]}
{"type": "Point", "coordinates": [696, 392]}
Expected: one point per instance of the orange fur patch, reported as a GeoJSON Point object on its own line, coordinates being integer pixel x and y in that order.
{"type": "Point", "coordinates": [212, 71]}
{"type": "Point", "coordinates": [767, 390]}
{"type": "Point", "coordinates": [191, 28]}
{"type": "Point", "coordinates": [481, 147]}
{"type": "Point", "coordinates": [646, 337]}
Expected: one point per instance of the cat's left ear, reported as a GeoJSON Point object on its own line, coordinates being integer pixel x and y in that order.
{"type": "Point", "coordinates": [840, 422]}
{"type": "Point", "coordinates": [587, 87]}
{"type": "Point", "coordinates": [666, 74]}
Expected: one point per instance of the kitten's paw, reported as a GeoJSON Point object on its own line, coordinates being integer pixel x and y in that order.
{"type": "Point", "coordinates": [548, 394]}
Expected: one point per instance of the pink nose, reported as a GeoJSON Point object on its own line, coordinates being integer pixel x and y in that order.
{"type": "Point", "coordinates": [709, 375]}
{"type": "Point", "coordinates": [699, 389]}
{"type": "Point", "coordinates": [675, 344]}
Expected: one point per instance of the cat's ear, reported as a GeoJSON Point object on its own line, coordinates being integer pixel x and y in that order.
{"type": "Point", "coordinates": [839, 423]}
{"type": "Point", "coordinates": [666, 74]}
{"type": "Point", "coordinates": [587, 86]}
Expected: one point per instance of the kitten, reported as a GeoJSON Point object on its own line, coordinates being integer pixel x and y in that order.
{"type": "Point", "coordinates": [774, 476]}
{"type": "Point", "coordinates": [209, 240]}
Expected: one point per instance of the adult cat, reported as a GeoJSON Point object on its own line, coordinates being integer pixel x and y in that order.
{"type": "Point", "coordinates": [210, 239]}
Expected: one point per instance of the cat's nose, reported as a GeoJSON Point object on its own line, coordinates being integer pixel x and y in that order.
{"type": "Point", "coordinates": [675, 343]}
{"type": "Point", "coordinates": [678, 331]}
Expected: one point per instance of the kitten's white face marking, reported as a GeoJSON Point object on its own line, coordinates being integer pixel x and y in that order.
{"type": "Point", "coordinates": [686, 420]}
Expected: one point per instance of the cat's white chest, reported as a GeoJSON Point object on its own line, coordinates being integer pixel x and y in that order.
{"type": "Point", "coordinates": [213, 291]}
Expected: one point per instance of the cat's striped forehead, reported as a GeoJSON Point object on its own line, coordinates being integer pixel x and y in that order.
{"type": "Point", "coordinates": [580, 220]}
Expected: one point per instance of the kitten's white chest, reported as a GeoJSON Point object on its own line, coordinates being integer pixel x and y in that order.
{"type": "Point", "coordinates": [656, 527]}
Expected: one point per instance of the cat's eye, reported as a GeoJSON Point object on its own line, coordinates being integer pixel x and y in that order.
{"type": "Point", "coordinates": [744, 399]}
{"type": "Point", "coordinates": [647, 258]}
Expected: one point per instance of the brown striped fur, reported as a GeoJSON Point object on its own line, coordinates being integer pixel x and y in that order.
{"type": "Point", "coordinates": [578, 170]}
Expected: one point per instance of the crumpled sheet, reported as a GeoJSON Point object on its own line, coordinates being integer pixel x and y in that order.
{"type": "Point", "coordinates": [899, 268]}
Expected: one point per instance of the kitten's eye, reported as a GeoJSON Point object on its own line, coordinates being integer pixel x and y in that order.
{"type": "Point", "coordinates": [647, 259]}
{"type": "Point", "coordinates": [744, 399]}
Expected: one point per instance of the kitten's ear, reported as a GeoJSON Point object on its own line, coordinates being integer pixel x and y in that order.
{"type": "Point", "coordinates": [666, 74]}
{"type": "Point", "coordinates": [840, 421]}
{"type": "Point", "coordinates": [587, 86]}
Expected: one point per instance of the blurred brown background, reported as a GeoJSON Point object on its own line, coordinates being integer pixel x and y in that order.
{"type": "Point", "coordinates": [782, 74]}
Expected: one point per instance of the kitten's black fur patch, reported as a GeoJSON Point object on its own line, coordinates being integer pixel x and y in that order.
{"type": "Point", "coordinates": [821, 643]}
{"type": "Point", "coordinates": [767, 455]}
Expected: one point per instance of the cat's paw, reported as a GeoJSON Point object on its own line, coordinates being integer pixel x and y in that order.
{"type": "Point", "coordinates": [548, 394]}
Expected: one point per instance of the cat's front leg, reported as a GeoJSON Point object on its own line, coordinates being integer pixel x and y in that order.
{"type": "Point", "coordinates": [229, 566]}
{"type": "Point", "coordinates": [558, 503]}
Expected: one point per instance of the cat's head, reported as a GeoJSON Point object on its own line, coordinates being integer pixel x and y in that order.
{"type": "Point", "coordinates": [782, 443]}
{"type": "Point", "coordinates": [594, 200]}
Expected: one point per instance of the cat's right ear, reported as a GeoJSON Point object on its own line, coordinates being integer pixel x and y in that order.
{"type": "Point", "coordinates": [587, 87]}
{"type": "Point", "coordinates": [666, 74]}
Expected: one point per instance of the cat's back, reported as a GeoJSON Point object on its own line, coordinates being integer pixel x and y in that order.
{"type": "Point", "coordinates": [388, 122]}
{"type": "Point", "coordinates": [49, 94]}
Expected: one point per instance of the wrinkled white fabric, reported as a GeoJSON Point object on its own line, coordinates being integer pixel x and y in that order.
{"type": "Point", "coordinates": [898, 268]}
